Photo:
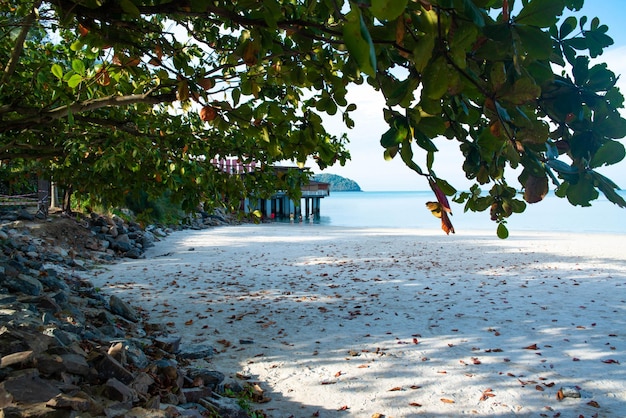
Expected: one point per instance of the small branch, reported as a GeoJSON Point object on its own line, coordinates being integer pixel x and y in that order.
{"type": "Point", "coordinates": [19, 43]}
{"type": "Point", "coordinates": [87, 106]}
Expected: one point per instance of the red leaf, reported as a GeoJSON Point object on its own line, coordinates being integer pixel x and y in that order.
{"type": "Point", "coordinates": [415, 404]}
{"type": "Point", "coordinates": [532, 347]}
{"type": "Point", "coordinates": [610, 361]}
{"type": "Point", "coordinates": [446, 224]}
{"type": "Point", "coordinates": [343, 408]}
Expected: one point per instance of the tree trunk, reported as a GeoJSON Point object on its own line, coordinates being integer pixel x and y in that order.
{"type": "Point", "coordinates": [67, 200]}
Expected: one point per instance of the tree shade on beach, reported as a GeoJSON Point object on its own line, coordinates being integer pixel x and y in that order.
{"type": "Point", "coordinates": [114, 98]}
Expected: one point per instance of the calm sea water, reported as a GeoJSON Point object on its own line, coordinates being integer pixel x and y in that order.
{"type": "Point", "coordinates": [408, 210]}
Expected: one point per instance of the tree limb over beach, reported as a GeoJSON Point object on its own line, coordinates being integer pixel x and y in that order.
{"type": "Point", "coordinates": [515, 87]}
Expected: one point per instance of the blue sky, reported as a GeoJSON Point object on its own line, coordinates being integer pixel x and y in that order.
{"type": "Point", "coordinates": [373, 173]}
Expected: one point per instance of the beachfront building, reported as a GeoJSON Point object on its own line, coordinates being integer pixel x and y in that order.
{"type": "Point", "coordinates": [282, 207]}
{"type": "Point", "coordinates": [279, 205]}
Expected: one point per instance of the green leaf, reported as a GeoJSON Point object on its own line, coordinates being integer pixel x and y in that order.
{"type": "Point", "coordinates": [582, 192]}
{"type": "Point", "coordinates": [473, 12]}
{"type": "Point", "coordinates": [607, 187]}
{"type": "Point", "coordinates": [393, 137]}
{"type": "Point", "coordinates": [446, 187]}
{"type": "Point", "coordinates": [431, 126]}
{"type": "Point", "coordinates": [423, 50]}
{"type": "Point", "coordinates": [424, 141]}
{"type": "Point", "coordinates": [78, 67]}
{"type": "Point", "coordinates": [76, 46]}
{"type": "Point", "coordinates": [359, 42]}
{"type": "Point", "coordinates": [406, 152]}
{"type": "Point", "coordinates": [541, 13]}
{"type": "Point", "coordinates": [464, 38]}
{"type": "Point", "coordinates": [236, 94]}
{"type": "Point", "coordinates": [129, 7]}
{"type": "Point", "coordinates": [535, 42]}
{"type": "Point", "coordinates": [57, 71]}
{"type": "Point", "coordinates": [502, 231]}
{"type": "Point", "coordinates": [390, 153]}
{"type": "Point", "coordinates": [435, 79]}
{"type": "Point", "coordinates": [611, 152]}
{"type": "Point", "coordinates": [524, 90]}
{"type": "Point", "coordinates": [567, 27]}
{"type": "Point", "coordinates": [497, 75]}
{"type": "Point", "coordinates": [388, 9]}
{"type": "Point", "coordinates": [600, 78]}
{"type": "Point", "coordinates": [74, 80]}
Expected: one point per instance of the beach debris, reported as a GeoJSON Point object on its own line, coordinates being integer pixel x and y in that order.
{"type": "Point", "coordinates": [487, 393]}
{"type": "Point", "coordinates": [447, 400]}
{"type": "Point", "coordinates": [568, 392]}
{"type": "Point", "coordinates": [258, 394]}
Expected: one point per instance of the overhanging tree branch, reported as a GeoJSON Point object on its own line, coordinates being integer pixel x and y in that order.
{"type": "Point", "coordinates": [87, 106]}
{"type": "Point", "coordinates": [19, 43]}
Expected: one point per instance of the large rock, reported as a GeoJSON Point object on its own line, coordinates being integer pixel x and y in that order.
{"type": "Point", "coordinates": [123, 309]}
{"type": "Point", "coordinates": [24, 284]}
{"type": "Point", "coordinates": [108, 367]}
{"type": "Point", "coordinates": [117, 391]}
{"type": "Point", "coordinates": [27, 387]}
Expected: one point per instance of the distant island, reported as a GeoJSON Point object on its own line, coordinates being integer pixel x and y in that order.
{"type": "Point", "coordinates": [338, 183]}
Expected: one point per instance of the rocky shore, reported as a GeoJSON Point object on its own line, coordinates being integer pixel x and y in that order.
{"type": "Point", "coordinates": [66, 350]}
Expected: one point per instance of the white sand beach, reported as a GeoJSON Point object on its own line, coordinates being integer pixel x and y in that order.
{"type": "Point", "coordinates": [335, 322]}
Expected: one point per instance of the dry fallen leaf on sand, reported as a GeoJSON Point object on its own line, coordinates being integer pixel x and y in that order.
{"type": "Point", "coordinates": [532, 347]}
{"type": "Point", "coordinates": [487, 393]}
{"type": "Point", "coordinates": [446, 400]}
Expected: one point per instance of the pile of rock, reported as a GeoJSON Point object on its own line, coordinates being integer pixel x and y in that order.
{"type": "Point", "coordinates": [106, 238]}
{"type": "Point", "coordinates": [66, 350]}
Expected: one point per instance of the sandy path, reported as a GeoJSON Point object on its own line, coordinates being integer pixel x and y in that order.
{"type": "Point", "coordinates": [397, 322]}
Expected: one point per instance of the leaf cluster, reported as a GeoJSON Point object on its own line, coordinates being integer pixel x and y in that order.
{"type": "Point", "coordinates": [114, 97]}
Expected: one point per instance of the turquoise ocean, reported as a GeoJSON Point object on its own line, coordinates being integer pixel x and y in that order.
{"type": "Point", "coordinates": [408, 210]}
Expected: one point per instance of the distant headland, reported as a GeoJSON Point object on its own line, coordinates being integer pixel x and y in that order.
{"type": "Point", "coordinates": [338, 183]}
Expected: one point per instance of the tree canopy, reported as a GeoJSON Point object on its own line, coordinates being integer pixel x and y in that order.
{"type": "Point", "coordinates": [113, 97]}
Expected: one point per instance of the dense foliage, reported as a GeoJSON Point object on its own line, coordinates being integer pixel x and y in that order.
{"type": "Point", "coordinates": [115, 97]}
{"type": "Point", "coordinates": [338, 183]}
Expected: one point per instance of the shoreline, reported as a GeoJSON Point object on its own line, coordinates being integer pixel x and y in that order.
{"type": "Point", "coordinates": [395, 321]}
